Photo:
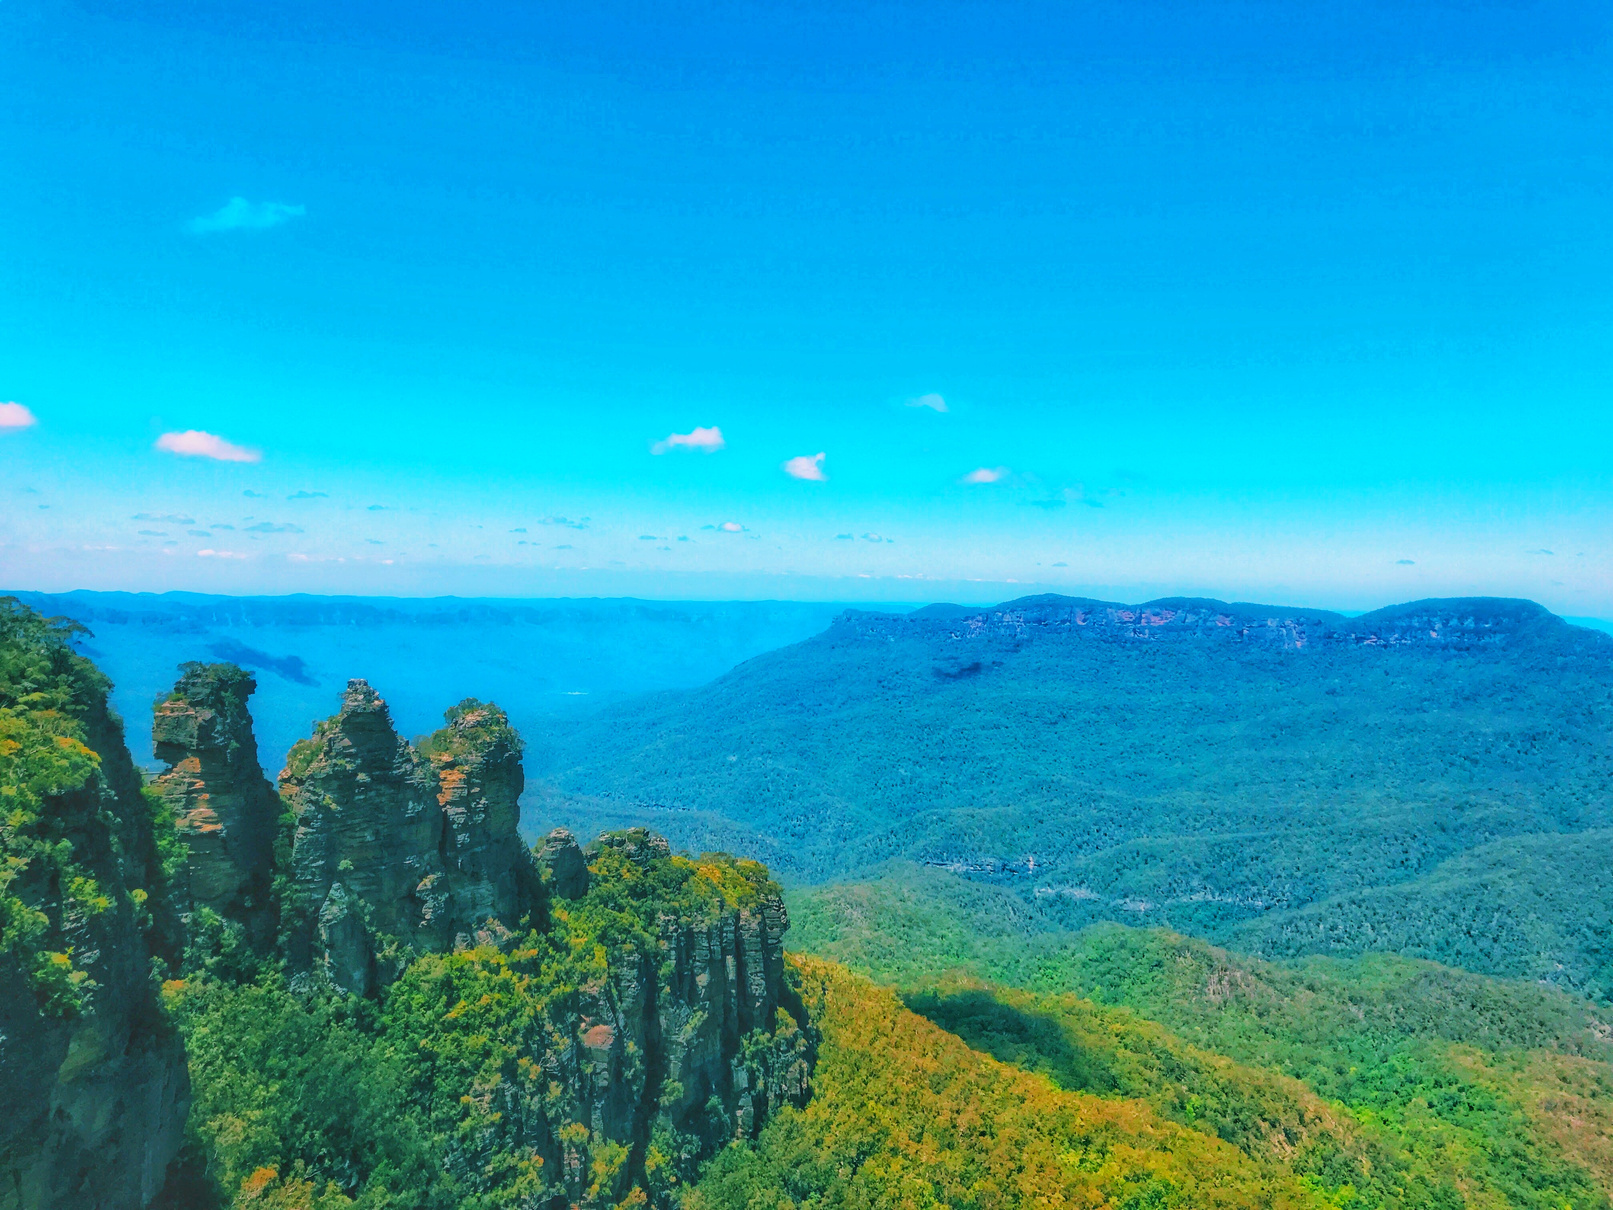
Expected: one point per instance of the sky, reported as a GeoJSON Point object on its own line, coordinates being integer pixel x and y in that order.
{"type": "Point", "coordinates": [1307, 304]}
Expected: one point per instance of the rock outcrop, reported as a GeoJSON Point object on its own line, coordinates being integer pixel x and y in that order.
{"type": "Point", "coordinates": [691, 1036]}
{"type": "Point", "coordinates": [476, 761]}
{"type": "Point", "coordinates": [399, 851]}
{"type": "Point", "coordinates": [224, 808]}
{"type": "Point", "coordinates": [92, 1077]}
{"type": "Point", "coordinates": [561, 865]}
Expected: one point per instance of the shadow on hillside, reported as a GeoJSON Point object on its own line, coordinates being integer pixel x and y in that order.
{"type": "Point", "coordinates": [1030, 1041]}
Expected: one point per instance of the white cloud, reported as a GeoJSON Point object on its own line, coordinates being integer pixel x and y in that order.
{"type": "Point", "coordinates": [218, 554]}
{"type": "Point", "coordinates": [731, 527]}
{"type": "Point", "coordinates": [194, 443]}
{"type": "Point", "coordinates": [15, 416]}
{"type": "Point", "coordinates": [238, 214]}
{"type": "Point", "coordinates": [806, 466]}
{"type": "Point", "coordinates": [985, 474]}
{"type": "Point", "coordinates": [707, 441]}
{"type": "Point", "coordinates": [932, 401]}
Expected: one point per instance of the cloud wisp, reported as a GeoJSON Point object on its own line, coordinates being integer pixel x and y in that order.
{"type": "Point", "coordinates": [702, 440]}
{"type": "Point", "coordinates": [806, 466]}
{"type": "Point", "coordinates": [238, 214]}
{"type": "Point", "coordinates": [14, 416]}
{"type": "Point", "coordinates": [932, 401]}
{"type": "Point", "coordinates": [194, 443]}
{"type": "Point", "coordinates": [986, 474]}
{"type": "Point", "coordinates": [168, 518]}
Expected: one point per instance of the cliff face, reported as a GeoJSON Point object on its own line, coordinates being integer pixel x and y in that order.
{"type": "Point", "coordinates": [223, 806]}
{"type": "Point", "coordinates": [636, 1070]}
{"type": "Point", "coordinates": [396, 851]}
{"type": "Point", "coordinates": [1458, 624]}
{"type": "Point", "coordinates": [92, 1077]}
{"type": "Point", "coordinates": [476, 763]}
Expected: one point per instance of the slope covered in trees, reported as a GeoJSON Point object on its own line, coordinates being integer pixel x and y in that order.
{"type": "Point", "coordinates": [1236, 772]}
{"type": "Point", "coordinates": [1504, 1086]}
{"type": "Point", "coordinates": [411, 1009]}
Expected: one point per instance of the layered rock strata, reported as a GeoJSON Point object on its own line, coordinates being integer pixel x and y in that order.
{"type": "Point", "coordinates": [1459, 624]}
{"type": "Point", "coordinates": [224, 808]}
{"type": "Point", "coordinates": [396, 850]}
{"type": "Point", "coordinates": [694, 1037]}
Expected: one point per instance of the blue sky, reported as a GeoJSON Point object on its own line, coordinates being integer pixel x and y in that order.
{"type": "Point", "coordinates": [1307, 303]}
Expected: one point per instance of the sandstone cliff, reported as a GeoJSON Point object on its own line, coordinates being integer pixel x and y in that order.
{"type": "Point", "coordinates": [223, 806]}
{"type": "Point", "coordinates": [1456, 624]}
{"type": "Point", "coordinates": [397, 851]}
{"type": "Point", "coordinates": [92, 1078]}
{"type": "Point", "coordinates": [632, 1071]}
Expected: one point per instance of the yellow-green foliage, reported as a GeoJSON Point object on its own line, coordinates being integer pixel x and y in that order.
{"type": "Point", "coordinates": [1083, 1046]}
{"type": "Point", "coordinates": [1453, 1077]}
{"type": "Point", "coordinates": [905, 1115]}
{"type": "Point", "coordinates": [473, 728]}
{"type": "Point", "coordinates": [428, 1098]}
{"type": "Point", "coordinates": [44, 891]}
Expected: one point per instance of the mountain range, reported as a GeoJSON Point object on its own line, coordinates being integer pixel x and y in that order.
{"type": "Point", "coordinates": [1285, 781]}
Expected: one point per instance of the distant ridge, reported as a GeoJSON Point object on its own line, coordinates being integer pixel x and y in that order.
{"type": "Point", "coordinates": [1215, 766]}
{"type": "Point", "coordinates": [1458, 622]}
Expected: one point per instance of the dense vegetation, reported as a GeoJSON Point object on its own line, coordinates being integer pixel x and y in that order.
{"type": "Point", "coordinates": [57, 874]}
{"type": "Point", "coordinates": [1245, 792]}
{"type": "Point", "coordinates": [434, 1095]}
{"type": "Point", "coordinates": [1537, 907]}
{"type": "Point", "coordinates": [905, 1114]}
{"type": "Point", "coordinates": [1008, 1052]}
{"type": "Point", "coordinates": [1506, 1087]}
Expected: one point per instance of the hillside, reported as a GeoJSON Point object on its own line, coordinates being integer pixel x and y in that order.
{"type": "Point", "coordinates": [1510, 1084]}
{"type": "Point", "coordinates": [375, 995]}
{"type": "Point", "coordinates": [1535, 907]}
{"type": "Point", "coordinates": [1189, 763]}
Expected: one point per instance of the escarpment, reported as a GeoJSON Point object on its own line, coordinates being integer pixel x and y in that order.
{"type": "Point", "coordinates": [398, 851]}
{"type": "Point", "coordinates": [669, 1027]}
{"type": "Point", "coordinates": [1457, 624]}
{"type": "Point", "coordinates": [93, 1079]}
{"type": "Point", "coordinates": [223, 806]}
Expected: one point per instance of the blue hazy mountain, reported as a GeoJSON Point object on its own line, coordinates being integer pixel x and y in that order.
{"type": "Point", "coordinates": [1431, 778]}
{"type": "Point", "coordinates": [536, 658]}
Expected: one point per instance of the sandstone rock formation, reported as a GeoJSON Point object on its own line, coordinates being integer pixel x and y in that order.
{"type": "Point", "coordinates": [476, 760]}
{"type": "Point", "coordinates": [223, 806]}
{"type": "Point", "coordinates": [399, 851]}
{"type": "Point", "coordinates": [93, 1082]}
{"type": "Point", "coordinates": [562, 866]}
{"type": "Point", "coordinates": [682, 1045]}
